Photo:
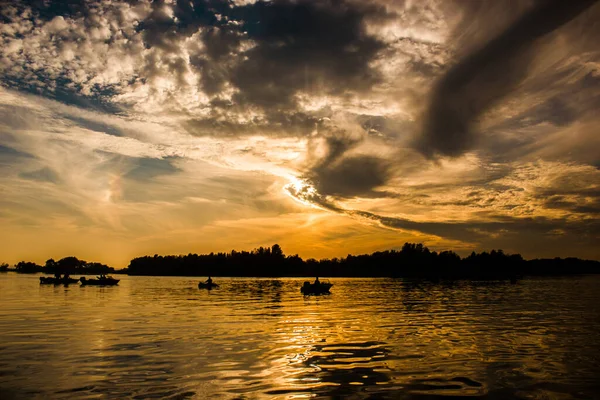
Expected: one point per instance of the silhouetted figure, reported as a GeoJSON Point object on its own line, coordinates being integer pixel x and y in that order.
{"type": "Point", "coordinates": [57, 276]}
{"type": "Point", "coordinates": [317, 287]}
{"type": "Point", "coordinates": [207, 284]}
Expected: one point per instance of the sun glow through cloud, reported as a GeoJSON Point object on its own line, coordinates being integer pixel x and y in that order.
{"type": "Point", "coordinates": [301, 191]}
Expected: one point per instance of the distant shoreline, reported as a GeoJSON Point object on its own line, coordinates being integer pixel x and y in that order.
{"type": "Point", "coordinates": [310, 277]}
{"type": "Point", "coordinates": [412, 261]}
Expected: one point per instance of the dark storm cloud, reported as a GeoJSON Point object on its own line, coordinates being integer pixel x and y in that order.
{"type": "Point", "coordinates": [159, 29]}
{"type": "Point", "coordinates": [484, 77]}
{"type": "Point", "coordinates": [305, 45]}
{"type": "Point", "coordinates": [352, 176]}
{"type": "Point", "coordinates": [318, 46]}
{"type": "Point", "coordinates": [221, 43]}
{"type": "Point", "coordinates": [192, 14]}
{"type": "Point", "coordinates": [340, 175]}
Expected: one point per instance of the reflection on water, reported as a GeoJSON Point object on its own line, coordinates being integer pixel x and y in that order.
{"type": "Point", "coordinates": [260, 338]}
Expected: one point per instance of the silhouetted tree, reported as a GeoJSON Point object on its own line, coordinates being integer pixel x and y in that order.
{"type": "Point", "coordinates": [27, 267]}
{"type": "Point", "coordinates": [414, 260]}
{"type": "Point", "coordinates": [276, 251]}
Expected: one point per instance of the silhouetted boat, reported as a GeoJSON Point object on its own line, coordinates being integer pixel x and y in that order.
{"type": "Point", "coordinates": [57, 281]}
{"type": "Point", "coordinates": [316, 288]}
{"type": "Point", "coordinates": [100, 281]}
{"type": "Point", "coordinates": [204, 285]}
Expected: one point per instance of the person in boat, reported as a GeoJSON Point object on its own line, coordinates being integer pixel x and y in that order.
{"type": "Point", "coordinates": [209, 281]}
{"type": "Point", "coordinates": [317, 282]}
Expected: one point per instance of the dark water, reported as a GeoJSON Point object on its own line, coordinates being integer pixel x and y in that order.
{"type": "Point", "coordinates": [370, 339]}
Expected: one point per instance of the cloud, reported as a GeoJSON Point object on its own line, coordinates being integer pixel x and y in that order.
{"type": "Point", "coordinates": [43, 175]}
{"type": "Point", "coordinates": [342, 164]}
{"type": "Point", "coordinates": [481, 79]}
{"type": "Point", "coordinates": [352, 176]}
{"type": "Point", "coordinates": [151, 168]}
{"type": "Point", "coordinates": [8, 155]}
{"type": "Point", "coordinates": [305, 46]}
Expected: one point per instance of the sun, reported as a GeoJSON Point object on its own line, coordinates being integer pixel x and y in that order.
{"type": "Point", "coordinates": [302, 191]}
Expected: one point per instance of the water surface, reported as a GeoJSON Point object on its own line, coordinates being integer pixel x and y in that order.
{"type": "Point", "coordinates": [162, 337]}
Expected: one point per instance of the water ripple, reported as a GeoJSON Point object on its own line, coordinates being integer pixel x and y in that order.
{"type": "Point", "coordinates": [260, 338]}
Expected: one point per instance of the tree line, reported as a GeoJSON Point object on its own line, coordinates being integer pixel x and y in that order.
{"type": "Point", "coordinates": [414, 260]}
{"type": "Point", "coordinates": [68, 265]}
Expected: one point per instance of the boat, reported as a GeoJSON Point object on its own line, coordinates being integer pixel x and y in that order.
{"type": "Point", "coordinates": [57, 281]}
{"type": "Point", "coordinates": [316, 288]}
{"type": "Point", "coordinates": [99, 281]}
{"type": "Point", "coordinates": [209, 286]}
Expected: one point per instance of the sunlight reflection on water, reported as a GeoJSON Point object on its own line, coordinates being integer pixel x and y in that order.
{"type": "Point", "coordinates": [162, 337]}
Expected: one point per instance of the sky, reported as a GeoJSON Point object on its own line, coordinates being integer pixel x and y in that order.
{"type": "Point", "coordinates": [330, 127]}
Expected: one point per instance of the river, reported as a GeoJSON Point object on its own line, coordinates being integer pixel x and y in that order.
{"type": "Point", "coordinates": [162, 337]}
